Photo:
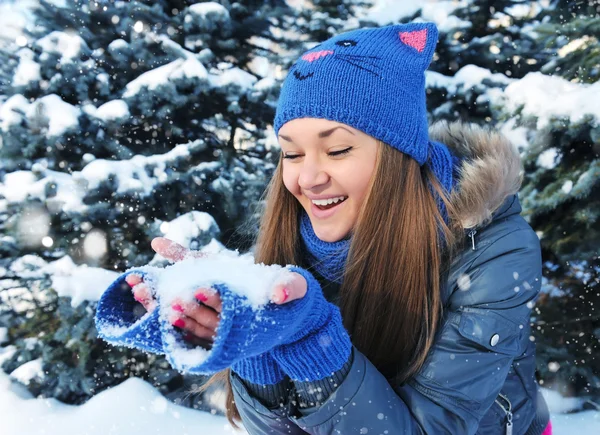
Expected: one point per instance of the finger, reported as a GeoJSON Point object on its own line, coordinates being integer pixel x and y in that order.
{"type": "Point", "coordinates": [133, 279]}
{"type": "Point", "coordinates": [293, 289]}
{"type": "Point", "coordinates": [203, 315]}
{"type": "Point", "coordinates": [169, 249]}
{"type": "Point", "coordinates": [141, 293]}
{"type": "Point", "coordinates": [210, 298]}
{"type": "Point", "coordinates": [185, 323]}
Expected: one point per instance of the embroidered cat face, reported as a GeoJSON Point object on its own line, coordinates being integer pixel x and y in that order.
{"type": "Point", "coordinates": [356, 50]}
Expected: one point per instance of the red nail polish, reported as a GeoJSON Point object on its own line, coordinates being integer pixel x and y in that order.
{"type": "Point", "coordinates": [201, 297]}
{"type": "Point", "coordinates": [286, 294]}
{"type": "Point", "coordinates": [177, 307]}
{"type": "Point", "coordinates": [179, 323]}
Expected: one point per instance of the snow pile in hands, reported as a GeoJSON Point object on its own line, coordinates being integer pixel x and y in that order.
{"type": "Point", "coordinates": [118, 324]}
{"type": "Point", "coordinates": [252, 281]}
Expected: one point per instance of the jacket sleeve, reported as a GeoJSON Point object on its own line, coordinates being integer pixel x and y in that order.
{"type": "Point", "coordinates": [256, 417]}
{"type": "Point", "coordinates": [480, 335]}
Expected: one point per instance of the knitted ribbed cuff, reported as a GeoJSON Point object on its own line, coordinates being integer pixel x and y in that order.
{"type": "Point", "coordinates": [315, 393]}
{"type": "Point", "coordinates": [318, 355]}
{"type": "Point", "coordinates": [261, 369]}
{"type": "Point", "coordinates": [271, 396]}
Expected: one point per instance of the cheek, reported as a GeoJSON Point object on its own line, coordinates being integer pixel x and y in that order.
{"type": "Point", "coordinates": [290, 180]}
{"type": "Point", "coordinates": [359, 184]}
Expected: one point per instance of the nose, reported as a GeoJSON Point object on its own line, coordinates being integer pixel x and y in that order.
{"type": "Point", "coordinates": [311, 176]}
{"type": "Point", "coordinates": [311, 57]}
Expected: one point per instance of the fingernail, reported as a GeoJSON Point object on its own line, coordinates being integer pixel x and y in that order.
{"type": "Point", "coordinates": [179, 323]}
{"type": "Point", "coordinates": [286, 294]}
{"type": "Point", "coordinates": [177, 307]}
{"type": "Point", "coordinates": [201, 297]}
{"type": "Point", "coordinates": [282, 297]}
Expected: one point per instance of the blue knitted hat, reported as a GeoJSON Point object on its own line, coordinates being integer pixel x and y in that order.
{"type": "Point", "coordinates": [372, 79]}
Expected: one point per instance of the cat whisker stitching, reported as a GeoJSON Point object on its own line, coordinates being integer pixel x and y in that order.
{"type": "Point", "coordinates": [358, 66]}
{"type": "Point", "coordinates": [361, 56]}
{"type": "Point", "coordinates": [366, 62]}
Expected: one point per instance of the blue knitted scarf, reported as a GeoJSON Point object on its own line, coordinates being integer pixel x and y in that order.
{"type": "Point", "coordinates": [327, 258]}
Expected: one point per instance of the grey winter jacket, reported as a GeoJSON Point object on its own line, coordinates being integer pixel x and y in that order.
{"type": "Point", "coordinates": [479, 375]}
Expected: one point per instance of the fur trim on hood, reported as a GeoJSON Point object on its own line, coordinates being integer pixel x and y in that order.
{"type": "Point", "coordinates": [490, 172]}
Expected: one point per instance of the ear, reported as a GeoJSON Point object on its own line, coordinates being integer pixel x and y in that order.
{"type": "Point", "coordinates": [421, 38]}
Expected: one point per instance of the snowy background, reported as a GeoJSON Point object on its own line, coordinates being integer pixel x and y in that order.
{"type": "Point", "coordinates": [121, 121]}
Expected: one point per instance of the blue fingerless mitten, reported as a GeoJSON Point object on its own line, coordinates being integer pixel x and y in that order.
{"type": "Point", "coordinates": [322, 345]}
{"type": "Point", "coordinates": [117, 322]}
{"type": "Point", "coordinates": [306, 336]}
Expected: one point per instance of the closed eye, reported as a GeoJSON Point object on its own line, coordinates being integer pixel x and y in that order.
{"type": "Point", "coordinates": [346, 43]}
{"type": "Point", "coordinates": [333, 153]}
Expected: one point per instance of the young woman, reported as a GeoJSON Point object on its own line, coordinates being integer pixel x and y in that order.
{"type": "Point", "coordinates": [413, 232]}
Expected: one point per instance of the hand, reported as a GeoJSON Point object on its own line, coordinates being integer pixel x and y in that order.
{"type": "Point", "coordinates": [200, 321]}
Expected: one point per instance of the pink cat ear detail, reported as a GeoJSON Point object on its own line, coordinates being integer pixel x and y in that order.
{"type": "Point", "coordinates": [416, 39]}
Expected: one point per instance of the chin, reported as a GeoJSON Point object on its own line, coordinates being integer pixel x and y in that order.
{"type": "Point", "coordinates": [329, 236]}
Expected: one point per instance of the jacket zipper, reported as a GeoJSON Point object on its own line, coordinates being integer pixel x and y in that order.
{"type": "Point", "coordinates": [472, 236]}
{"type": "Point", "coordinates": [509, 424]}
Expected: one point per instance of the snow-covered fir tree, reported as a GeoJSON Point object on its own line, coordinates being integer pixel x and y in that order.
{"type": "Point", "coordinates": [123, 121]}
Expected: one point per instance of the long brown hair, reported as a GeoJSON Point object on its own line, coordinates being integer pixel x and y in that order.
{"type": "Point", "coordinates": [390, 296]}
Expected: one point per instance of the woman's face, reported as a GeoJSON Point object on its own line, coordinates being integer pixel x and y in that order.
{"type": "Point", "coordinates": [322, 160]}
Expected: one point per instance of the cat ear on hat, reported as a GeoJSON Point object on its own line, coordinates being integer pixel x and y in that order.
{"type": "Point", "coordinates": [419, 38]}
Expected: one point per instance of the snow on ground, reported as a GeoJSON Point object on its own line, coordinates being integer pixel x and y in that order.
{"type": "Point", "coordinates": [581, 423]}
{"type": "Point", "coordinates": [564, 418]}
{"type": "Point", "coordinates": [131, 408]}
{"type": "Point", "coordinates": [136, 408]}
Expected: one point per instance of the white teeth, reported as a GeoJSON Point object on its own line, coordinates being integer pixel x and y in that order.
{"type": "Point", "coordinates": [328, 201]}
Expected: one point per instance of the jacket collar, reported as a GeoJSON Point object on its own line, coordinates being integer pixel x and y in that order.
{"type": "Point", "coordinates": [489, 176]}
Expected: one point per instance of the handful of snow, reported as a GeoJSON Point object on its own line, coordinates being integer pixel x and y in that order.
{"type": "Point", "coordinates": [239, 272]}
{"type": "Point", "coordinates": [245, 289]}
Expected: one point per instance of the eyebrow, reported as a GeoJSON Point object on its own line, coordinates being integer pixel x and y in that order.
{"type": "Point", "coordinates": [322, 134]}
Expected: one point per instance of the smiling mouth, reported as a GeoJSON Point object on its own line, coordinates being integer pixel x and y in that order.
{"type": "Point", "coordinates": [328, 206]}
